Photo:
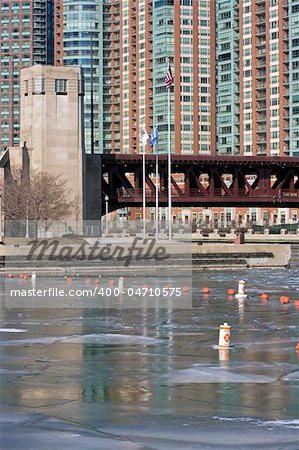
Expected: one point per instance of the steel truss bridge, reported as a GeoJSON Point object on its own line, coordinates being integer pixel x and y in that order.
{"type": "Point", "coordinates": [196, 180]}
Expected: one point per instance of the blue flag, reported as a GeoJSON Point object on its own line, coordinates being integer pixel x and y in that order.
{"type": "Point", "coordinates": [154, 136]}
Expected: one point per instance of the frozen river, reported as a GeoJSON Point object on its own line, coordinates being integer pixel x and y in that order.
{"type": "Point", "coordinates": [153, 378]}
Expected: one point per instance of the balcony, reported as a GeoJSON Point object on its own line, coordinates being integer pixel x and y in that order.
{"type": "Point", "coordinates": [260, 31]}
{"type": "Point", "coordinates": [261, 118]}
{"type": "Point", "coordinates": [261, 43]}
{"type": "Point", "coordinates": [261, 64]}
{"type": "Point", "coordinates": [261, 130]}
{"type": "Point", "coordinates": [261, 76]}
{"type": "Point", "coordinates": [261, 108]}
{"type": "Point", "coordinates": [261, 20]}
{"type": "Point", "coordinates": [261, 96]}
{"type": "Point", "coordinates": [261, 53]}
{"type": "Point", "coordinates": [260, 11]}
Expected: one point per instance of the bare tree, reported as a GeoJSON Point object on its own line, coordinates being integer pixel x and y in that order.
{"type": "Point", "coordinates": [42, 199]}
{"type": "Point", "coordinates": [77, 210]}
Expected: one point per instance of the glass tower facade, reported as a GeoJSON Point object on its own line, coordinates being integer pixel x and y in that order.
{"type": "Point", "coordinates": [82, 46]}
{"type": "Point", "coordinates": [227, 91]}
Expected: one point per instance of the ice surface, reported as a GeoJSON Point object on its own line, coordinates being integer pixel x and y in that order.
{"type": "Point", "coordinates": [33, 431]}
{"type": "Point", "coordinates": [291, 376]}
{"type": "Point", "coordinates": [12, 330]}
{"type": "Point", "coordinates": [101, 339]}
{"type": "Point", "coordinates": [36, 432]}
{"type": "Point", "coordinates": [110, 379]}
{"type": "Point", "coordinates": [210, 374]}
{"type": "Point", "coordinates": [113, 339]}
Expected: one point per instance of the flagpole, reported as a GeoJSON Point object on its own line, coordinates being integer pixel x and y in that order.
{"type": "Point", "coordinates": [157, 196]}
{"type": "Point", "coordinates": [143, 190]}
{"type": "Point", "coordinates": [169, 172]}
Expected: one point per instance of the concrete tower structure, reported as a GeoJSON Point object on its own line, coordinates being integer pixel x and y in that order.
{"type": "Point", "coordinates": [51, 122]}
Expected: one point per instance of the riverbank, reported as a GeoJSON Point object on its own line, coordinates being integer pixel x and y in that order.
{"type": "Point", "coordinates": [197, 255]}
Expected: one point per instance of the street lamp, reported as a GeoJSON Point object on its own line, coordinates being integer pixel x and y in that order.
{"type": "Point", "coordinates": [107, 210]}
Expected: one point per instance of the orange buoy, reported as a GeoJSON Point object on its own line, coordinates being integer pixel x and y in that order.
{"type": "Point", "coordinates": [146, 286]}
{"type": "Point", "coordinates": [97, 281]}
{"type": "Point", "coordinates": [10, 275]}
{"type": "Point", "coordinates": [231, 291]}
{"type": "Point", "coordinates": [264, 296]}
{"type": "Point", "coordinates": [21, 276]}
{"type": "Point", "coordinates": [296, 304]}
{"type": "Point", "coordinates": [111, 283]}
{"type": "Point", "coordinates": [284, 299]}
{"type": "Point", "coordinates": [186, 289]}
{"type": "Point", "coordinates": [206, 290]}
{"type": "Point", "coordinates": [25, 277]}
{"type": "Point", "coordinates": [87, 280]}
{"type": "Point", "coordinates": [297, 347]}
{"type": "Point", "coordinates": [69, 279]}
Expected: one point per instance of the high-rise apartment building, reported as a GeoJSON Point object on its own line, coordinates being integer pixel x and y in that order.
{"type": "Point", "coordinates": [253, 59]}
{"type": "Point", "coordinates": [82, 46]}
{"type": "Point", "coordinates": [234, 63]}
{"type": "Point", "coordinates": [26, 39]}
{"type": "Point", "coordinates": [293, 70]}
{"type": "Point", "coordinates": [139, 38]}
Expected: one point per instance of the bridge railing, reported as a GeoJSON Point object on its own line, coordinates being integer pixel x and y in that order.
{"type": "Point", "coordinates": [138, 192]}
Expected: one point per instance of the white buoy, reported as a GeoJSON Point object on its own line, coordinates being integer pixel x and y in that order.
{"type": "Point", "coordinates": [121, 283]}
{"type": "Point", "coordinates": [224, 335]}
{"type": "Point", "coordinates": [241, 290]}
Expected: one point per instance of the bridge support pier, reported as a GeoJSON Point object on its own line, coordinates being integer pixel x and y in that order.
{"type": "Point", "coordinates": [92, 193]}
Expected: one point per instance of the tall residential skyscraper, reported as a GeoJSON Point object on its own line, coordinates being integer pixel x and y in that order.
{"type": "Point", "coordinates": [235, 67]}
{"type": "Point", "coordinates": [292, 67]}
{"type": "Point", "coordinates": [26, 39]}
{"type": "Point", "coordinates": [254, 67]}
{"type": "Point", "coordinates": [82, 46]}
{"type": "Point", "coordinates": [138, 39]}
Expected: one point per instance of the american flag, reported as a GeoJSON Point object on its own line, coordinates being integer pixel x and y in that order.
{"type": "Point", "coordinates": [168, 77]}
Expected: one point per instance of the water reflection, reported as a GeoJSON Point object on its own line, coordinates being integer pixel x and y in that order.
{"type": "Point", "coordinates": [72, 368]}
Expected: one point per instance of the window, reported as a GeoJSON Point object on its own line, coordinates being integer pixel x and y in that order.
{"type": "Point", "coordinates": [38, 86]}
{"type": "Point", "coordinates": [253, 216]}
{"type": "Point", "coordinates": [61, 86]}
{"type": "Point", "coordinates": [26, 87]}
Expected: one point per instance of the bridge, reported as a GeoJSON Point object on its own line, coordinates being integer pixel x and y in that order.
{"type": "Point", "coordinates": [197, 180]}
